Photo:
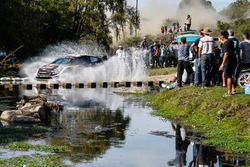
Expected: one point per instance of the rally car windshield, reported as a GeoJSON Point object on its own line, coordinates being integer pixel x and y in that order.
{"type": "Point", "coordinates": [62, 61]}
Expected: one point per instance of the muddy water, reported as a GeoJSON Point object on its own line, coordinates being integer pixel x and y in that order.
{"type": "Point", "coordinates": [103, 129]}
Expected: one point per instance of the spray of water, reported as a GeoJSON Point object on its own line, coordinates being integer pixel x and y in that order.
{"type": "Point", "coordinates": [130, 67]}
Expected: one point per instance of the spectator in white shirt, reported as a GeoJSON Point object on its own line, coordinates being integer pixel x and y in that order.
{"type": "Point", "coordinates": [206, 52]}
{"type": "Point", "coordinates": [188, 22]}
{"type": "Point", "coordinates": [120, 52]}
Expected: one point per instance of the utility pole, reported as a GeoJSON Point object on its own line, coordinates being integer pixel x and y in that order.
{"type": "Point", "coordinates": [136, 7]}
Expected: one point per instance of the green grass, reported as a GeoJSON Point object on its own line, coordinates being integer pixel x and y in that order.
{"type": "Point", "coordinates": [36, 160]}
{"type": "Point", "coordinates": [21, 146]}
{"type": "Point", "coordinates": [161, 71]}
{"type": "Point", "coordinates": [225, 122]}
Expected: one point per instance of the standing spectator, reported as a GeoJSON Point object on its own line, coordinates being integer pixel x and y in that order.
{"type": "Point", "coordinates": [229, 62]}
{"type": "Point", "coordinates": [177, 26]}
{"type": "Point", "coordinates": [156, 60]}
{"type": "Point", "coordinates": [206, 51]}
{"type": "Point", "coordinates": [12, 58]}
{"type": "Point", "coordinates": [120, 52]}
{"type": "Point", "coordinates": [166, 30]}
{"type": "Point", "coordinates": [183, 61]}
{"type": "Point", "coordinates": [235, 41]}
{"type": "Point", "coordinates": [162, 30]}
{"type": "Point", "coordinates": [236, 50]}
{"type": "Point", "coordinates": [244, 55]}
{"type": "Point", "coordinates": [224, 82]}
{"type": "Point", "coordinates": [215, 72]}
{"type": "Point", "coordinates": [163, 55]}
{"type": "Point", "coordinates": [151, 54]}
{"type": "Point", "coordinates": [3, 53]}
{"type": "Point", "coordinates": [195, 50]}
{"type": "Point", "coordinates": [144, 44]}
{"type": "Point", "coordinates": [188, 22]}
{"type": "Point", "coordinates": [170, 31]}
{"type": "Point", "coordinates": [160, 43]}
{"type": "Point", "coordinates": [173, 56]}
{"type": "Point", "coordinates": [174, 27]}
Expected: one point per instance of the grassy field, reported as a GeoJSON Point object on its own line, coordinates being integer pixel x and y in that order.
{"type": "Point", "coordinates": [225, 122]}
{"type": "Point", "coordinates": [161, 71]}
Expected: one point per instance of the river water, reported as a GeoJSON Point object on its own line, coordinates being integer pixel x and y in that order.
{"type": "Point", "coordinates": [103, 129]}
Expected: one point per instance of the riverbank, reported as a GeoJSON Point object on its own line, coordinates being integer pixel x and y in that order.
{"type": "Point", "coordinates": [225, 122]}
{"type": "Point", "coordinates": [161, 71]}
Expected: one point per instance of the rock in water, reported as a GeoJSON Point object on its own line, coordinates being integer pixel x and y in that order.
{"type": "Point", "coordinates": [16, 116]}
{"type": "Point", "coordinates": [10, 115]}
{"type": "Point", "coordinates": [37, 105]}
{"type": "Point", "coordinates": [31, 110]}
{"type": "Point", "coordinates": [25, 119]}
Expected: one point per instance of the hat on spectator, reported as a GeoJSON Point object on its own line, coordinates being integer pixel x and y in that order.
{"type": "Point", "coordinates": [206, 31]}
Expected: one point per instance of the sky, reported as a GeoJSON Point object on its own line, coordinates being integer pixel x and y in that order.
{"type": "Point", "coordinates": [218, 4]}
{"type": "Point", "coordinates": [153, 12]}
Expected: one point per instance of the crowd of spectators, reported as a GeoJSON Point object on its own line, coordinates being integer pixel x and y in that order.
{"type": "Point", "coordinates": [6, 58]}
{"type": "Point", "coordinates": [213, 61]}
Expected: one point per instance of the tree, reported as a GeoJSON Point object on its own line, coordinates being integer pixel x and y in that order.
{"type": "Point", "coordinates": [93, 19]}
{"type": "Point", "coordinates": [33, 24]}
{"type": "Point", "coordinates": [38, 23]}
{"type": "Point", "coordinates": [237, 10]}
{"type": "Point", "coordinates": [237, 14]}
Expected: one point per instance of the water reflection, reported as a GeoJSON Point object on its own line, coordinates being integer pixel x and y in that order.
{"type": "Point", "coordinates": [90, 124]}
{"type": "Point", "coordinates": [181, 146]}
{"type": "Point", "coordinates": [202, 155]}
{"type": "Point", "coordinates": [104, 129]}
{"type": "Point", "coordinates": [90, 133]}
{"type": "Point", "coordinates": [228, 161]}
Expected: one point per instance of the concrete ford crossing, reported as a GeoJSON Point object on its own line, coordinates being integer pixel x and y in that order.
{"type": "Point", "coordinates": [93, 85]}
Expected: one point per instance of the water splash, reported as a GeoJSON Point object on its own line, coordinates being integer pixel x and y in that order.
{"type": "Point", "coordinates": [128, 68]}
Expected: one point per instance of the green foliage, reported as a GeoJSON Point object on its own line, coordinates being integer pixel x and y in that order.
{"type": "Point", "coordinates": [21, 146]}
{"type": "Point", "coordinates": [238, 13]}
{"type": "Point", "coordinates": [237, 10]}
{"type": "Point", "coordinates": [33, 23]}
{"type": "Point", "coordinates": [223, 121]}
{"type": "Point", "coordinates": [36, 160]}
{"type": "Point", "coordinates": [131, 42]}
{"type": "Point", "coordinates": [36, 24]}
{"type": "Point", "coordinates": [135, 41]}
{"type": "Point", "coordinates": [223, 26]}
{"type": "Point", "coordinates": [239, 26]}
